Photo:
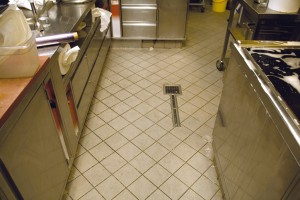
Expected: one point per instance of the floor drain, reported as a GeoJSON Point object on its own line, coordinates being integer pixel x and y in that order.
{"type": "Point", "coordinates": [173, 91]}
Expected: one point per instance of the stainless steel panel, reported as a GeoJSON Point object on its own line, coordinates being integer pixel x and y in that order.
{"type": "Point", "coordinates": [138, 2]}
{"type": "Point", "coordinates": [252, 158]}
{"type": "Point", "coordinates": [32, 152]}
{"type": "Point", "coordinates": [139, 30]}
{"type": "Point", "coordinates": [80, 78]}
{"type": "Point", "coordinates": [172, 16]}
{"type": "Point", "coordinates": [139, 14]}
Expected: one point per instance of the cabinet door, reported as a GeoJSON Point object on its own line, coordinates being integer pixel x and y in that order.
{"type": "Point", "coordinates": [32, 153]}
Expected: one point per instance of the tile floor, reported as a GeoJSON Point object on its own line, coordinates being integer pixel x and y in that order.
{"type": "Point", "coordinates": [129, 148]}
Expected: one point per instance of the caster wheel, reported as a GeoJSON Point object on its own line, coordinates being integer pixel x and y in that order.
{"type": "Point", "coordinates": [220, 65]}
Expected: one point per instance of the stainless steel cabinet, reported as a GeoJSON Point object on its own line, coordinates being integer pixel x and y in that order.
{"type": "Point", "coordinates": [32, 154]}
{"type": "Point", "coordinates": [252, 158]}
{"type": "Point", "coordinates": [172, 17]}
{"type": "Point", "coordinates": [139, 19]}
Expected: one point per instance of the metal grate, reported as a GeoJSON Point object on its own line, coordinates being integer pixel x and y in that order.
{"type": "Point", "coordinates": [172, 89]}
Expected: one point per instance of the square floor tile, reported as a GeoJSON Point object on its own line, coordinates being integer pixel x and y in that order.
{"type": "Point", "coordinates": [211, 174]}
{"type": "Point", "coordinates": [94, 123]}
{"type": "Point", "coordinates": [118, 123]}
{"type": "Point", "coordinates": [157, 175]}
{"type": "Point", "coordinates": [78, 187]}
{"type": "Point", "coordinates": [130, 132]}
{"type": "Point", "coordinates": [101, 151]}
{"type": "Point", "coordinates": [207, 151]}
{"type": "Point", "coordinates": [84, 162]}
{"type": "Point", "coordinates": [90, 140]}
{"type": "Point", "coordinates": [143, 108]}
{"type": "Point", "coordinates": [191, 195]}
{"type": "Point", "coordinates": [192, 123]}
{"type": "Point", "coordinates": [184, 151]}
{"type": "Point", "coordinates": [200, 162]}
{"type": "Point", "coordinates": [133, 101]}
{"type": "Point", "coordinates": [105, 131]}
{"type": "Point", "coordinates": [125, 195]}
{"type": "Point", "coordinates": [92, 195]}
{"type": "Point", "coordinates": [171, 162]}
{"type": "Point", "coordinates": [129, 151]}
{"type": "Point", "coordinates": [166, 123]}
{"type": "Point", "coordinates": [116, 141]}
{"type": "Point", "coordinates": [113, 162]}
{"type": "Point", "coordinates": [205, 188]}
{"type": "Point", "coordinates": [143, 141]}
{"type": "Point", "coordinates": [131, 115]}
{"type": "Point", "coordinates": [142, 188]}
{"type": "Point", "coordinates": [174, 188]}
{"type": "Point", "coordinates": [111, 101]}
{"type": "Point", "coordinates": [195, 141]}
{"type": "Point", "coordinates": [121, 108]}
{"type": "Point", "coordinates": [142, 162]}
{"type": "Point", "coordinates": [155, 115]}
{"type": "Point", "coordinates": [187, 174]}
{"type": "Point", "coordinates": [155, 132]}
{"type": "Point", "coordinates": [158, 195]}
{"type": "Point", "coordinates": [127, 174]}
{"type": "Point", "coordinates": [181, 132]}
{"type": "Point", "coordinates": [98, 108]}
{"type": "Point", "coordinates": [156, 151]}
{"type": "Point", "coordinates": [96, 174]}
{"type": "Point", "coordinates": [154, 101]}
{"type": "Point", "coordinates": [110, 188]}
{"type": "Point", "coordinates": [108, 115]}
{"type": "Point", "coordinates": [133, 89]}
{"type": "Point", "coordinates": [143, 95]}
{"type": "Point", "coordinates": [169, 141]}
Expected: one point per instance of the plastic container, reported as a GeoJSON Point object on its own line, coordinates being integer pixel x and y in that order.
{"type": "Point", "coordinates": [19, 61]}
{"type": "Point", "coordinates": [219, 5]}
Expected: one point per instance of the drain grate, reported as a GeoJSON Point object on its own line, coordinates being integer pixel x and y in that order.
{"type": "Point", "coordinates": [172, 89]}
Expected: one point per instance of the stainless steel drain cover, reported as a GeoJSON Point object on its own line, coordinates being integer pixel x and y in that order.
{"type": "Point", "coordinates": [172, 89]}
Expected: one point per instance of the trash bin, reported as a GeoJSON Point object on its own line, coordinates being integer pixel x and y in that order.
{"type": "Point", "coordinates": [219, 5]}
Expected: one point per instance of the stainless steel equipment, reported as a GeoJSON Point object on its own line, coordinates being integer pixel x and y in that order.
{"type": "Point", "coordinates": [256, 138]}
{"type": "Point", "coordinates": [172, 18]}
{"type": "Point", "coordinates": [139, 19]}
{"type": "Point", "coordinates": [256, 22]}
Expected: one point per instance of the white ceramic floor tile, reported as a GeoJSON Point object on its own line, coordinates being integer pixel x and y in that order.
{"type": "Point", "coordinates": [157, 175]}
{"type": "Point", "coordinates": [127, 174]}
{"type": "Point", "coordinates": [105, 131]}
{"type": "Point", "coordinates": [171, 162]}
{"type": "Point", "coordinates": [169, 141]}
{"type": "Point", "coordinates": [125, 195]}
{"type": "Point", "coordinates": [142, 188]}
{"type": "Point", "coordinates": [101, 151]}
{"type": "Point", "coordinates": [142, 162]}
{"type": "Point", "coordinates": [187, 174]}
{"type": "Point", "coordinates": [78, 187]}
{"type": "Point", "coordinates": [92, 195]}
{"type": "Point", "coordinates": [116, 141]}
{"type": "Point", "coordinates": [129, 151]}
{"type": "Point", "coordinates": [96, 174]}
{"type": "Point", "coordinates": [191, 195]}
{"type": "Point", "coordinates": [130, 132]}
{"type": "Point", "coordinates": [155, 132]}
{"type": "Point", "coordinates": [205, 188]}
{"type": "Point", "coordinates": [90, 140]}
{"type": "Point", "coordinates": [113, 162]}
{"type": "Point", "coordinates": [110, 188]}
{"type": "Point", "coordinates": [184, 151]}
{"type": "Point", "coordinates": [84, 162]}
{"type": "Point", "coordinates": [156, 151]}
{"type": "Point", "coordinates": [174, 188]}
{"type": "Point", "coordinates": [143, 141]}
{"type": "Point", "coordinates": [200, 162]}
